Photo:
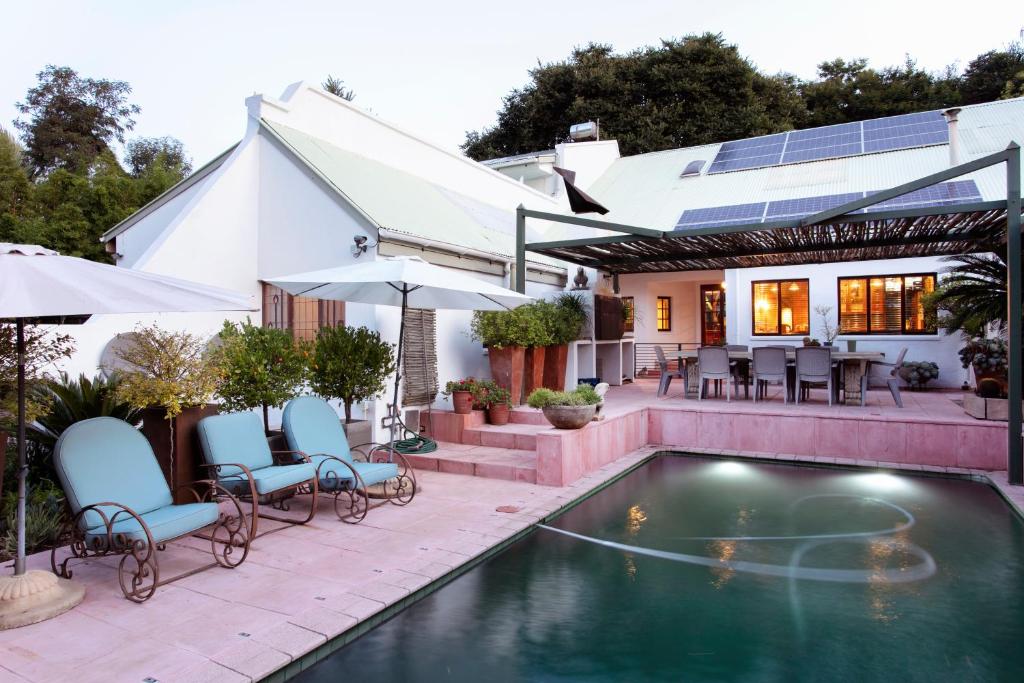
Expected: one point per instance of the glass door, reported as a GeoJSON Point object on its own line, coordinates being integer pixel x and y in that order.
{"type": "Point", "coordinates": [712, 321]}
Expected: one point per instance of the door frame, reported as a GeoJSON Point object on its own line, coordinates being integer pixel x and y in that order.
{"type": "Point", "coordinates": [703, 317]}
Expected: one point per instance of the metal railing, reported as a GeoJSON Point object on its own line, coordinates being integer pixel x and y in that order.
{"type": "Point", "coordinates": [646, 361]}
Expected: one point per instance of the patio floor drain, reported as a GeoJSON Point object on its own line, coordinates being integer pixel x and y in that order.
{"type": "Point", "coordinates": [507, 508]}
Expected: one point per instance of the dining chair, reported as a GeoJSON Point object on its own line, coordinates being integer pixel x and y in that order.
{"type": "Point", "coordinates": [769, 365]}
{"type": "Point", "coordinates": [814, 366]}
{"type": "Point", "coordinates": [713, 364]}
{"type": "Point", "coordinates": [741, 368]}
{"type": "Point", "coordinates": [667, 374]}
{"type": "Point", "coordinates": [891, 378]}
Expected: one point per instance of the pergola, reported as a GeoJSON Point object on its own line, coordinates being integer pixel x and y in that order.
{"type": "Point", "coordinates": [849, 232]}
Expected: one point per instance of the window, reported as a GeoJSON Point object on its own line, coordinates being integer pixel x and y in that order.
{"type": "Point", "coordinates": [781, 307]}
{"type": "Point", "coordinates": [627, 304]}
{"type": "Point", "coordinates": [886, 304]}
{"type": "Point", "coordinates": [301, 315]}
{"type": "Point", "coordinates": [664, 314]}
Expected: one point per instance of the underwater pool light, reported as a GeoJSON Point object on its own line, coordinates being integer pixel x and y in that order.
{"type": "Point", "coordinates": [882, 481]}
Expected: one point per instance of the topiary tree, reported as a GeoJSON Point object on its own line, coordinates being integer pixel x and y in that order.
{"type": "Point", "coordinates": [261, 367]}
{"type": "Point", "coordinates": [350, 364]}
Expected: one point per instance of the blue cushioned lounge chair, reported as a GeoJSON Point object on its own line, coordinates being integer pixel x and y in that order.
{"type": "Point", "coordinates": [236, 450]}
{"type": "Point", "coordinates": [121, 505]}
{"type": "Point", "coordinates": [313, 429]}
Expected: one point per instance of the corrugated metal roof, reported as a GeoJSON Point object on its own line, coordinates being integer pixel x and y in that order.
{"type": "Point", "coordinates": [646, 189]}
{"type": "Point", "coordinates": [406, 203]}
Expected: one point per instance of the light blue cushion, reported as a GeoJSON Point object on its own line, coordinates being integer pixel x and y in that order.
{"type": "Point", "coordinates": [310, 425]}
{"type": "Point", "coordinates": [270, 479]}
{"type": "Point", "coordinates": [331, 471]}
{"type": "Point", "coordinates": [164, 524]}
{"type": "Point", "coordinates": [376, 472]}
{"type": "Point", "coordinates": [235, 437]}
{"type": "Point", "coordinates": [105, 459]}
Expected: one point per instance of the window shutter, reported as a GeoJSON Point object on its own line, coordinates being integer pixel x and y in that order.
{"type": "Point", "coordinates": [419, 357]}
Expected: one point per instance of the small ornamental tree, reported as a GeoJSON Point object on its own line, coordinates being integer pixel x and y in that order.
{"type": "Point", "coordinates": [169, 370]}
{"type": "Point", "coordinates": [261, 367]}
{"type": "Point", "coordinates": [350, 364]}
{"type": "Point", "coordinates": [42, 350]}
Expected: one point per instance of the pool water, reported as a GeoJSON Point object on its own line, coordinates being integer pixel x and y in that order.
{"type": "Point", "coordinates": [697, 569]}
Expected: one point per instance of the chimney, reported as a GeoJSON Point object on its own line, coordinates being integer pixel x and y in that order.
{"type": "Point", "coordinates": [954, 135]}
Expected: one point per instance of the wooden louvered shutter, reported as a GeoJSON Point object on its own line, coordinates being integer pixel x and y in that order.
{"type": "Point", "coordinates": [419, 357]}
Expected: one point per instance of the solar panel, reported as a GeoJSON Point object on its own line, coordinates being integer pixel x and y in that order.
{"type": "Point", "coordinates": [828, 142]}
{"type": "Point", "coordinates": [943, 194]}
{"type": "Point", "coordinates": [733, 214]}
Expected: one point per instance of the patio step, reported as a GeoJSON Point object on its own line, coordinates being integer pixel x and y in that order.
{"type": "Point", "coordinates": [479, 461]}
{"type": "Point", "coordinates": [527, 416]}
{"type": "Point", "coordinates": [513, 436]}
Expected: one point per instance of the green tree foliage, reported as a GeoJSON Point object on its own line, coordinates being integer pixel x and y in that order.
{"type": "Point", "coordinates": [69, 401]}
{"type": "Point", "coordinates": [973, 295]}
{"type": "Point", "coordinates": [994, 74]}
{"type": "Point", "coordinates": [683, 92]}
{"type": "Point", "coordinates": [42, 349]}
{"type": "Point", "coordinates": [143, 155]}
{"type": "Point", "coordinates": [336, 87]}
{"type": "Point", "coordinates": [261, 367]}
{"type": "Point", "coordinates": [71, 120]}
{"type": "Point", "coordinates": [350, 364]}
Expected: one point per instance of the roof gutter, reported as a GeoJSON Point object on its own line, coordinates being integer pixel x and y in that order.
{"type": "Point", "coordinates": [399, 237]}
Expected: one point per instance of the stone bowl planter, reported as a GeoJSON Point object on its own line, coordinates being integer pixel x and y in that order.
{"type": "Point", "coordinates": [569, 417]}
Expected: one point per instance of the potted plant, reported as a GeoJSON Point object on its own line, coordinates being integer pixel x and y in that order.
{"type": "Point", "coordinates": [464, 394]}
{"type": "Point", "coordinates": [809, 341]}
{"type": "Point", "coordinates": [918, 373]}
{"type": "Point", "coordinates": [171, 377]}
{"type": "Point", "coordinates": [543, 324]}
{"type": "Point", "coordinates": [829, 332]}
{"type": "Point", "coordinates": [261, 367]}
{"type": "Point", "coordinates": [566, 409]}
{"type": "Point", "coordinates": [569, 316]}
{"type": "Point", "coordinates": [988, 359]}
{"type": "Point", "coordinates": [497, 401]}
{"type": "Point", "coordinates": [506, 334]}
{"type": "Point", "coordinates": [351, 364]}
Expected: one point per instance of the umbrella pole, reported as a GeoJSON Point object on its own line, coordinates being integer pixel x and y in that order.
{"type": "Point", "coordinates": [19, 562]}
{"type": "Point", "coordinates": [398, 368]}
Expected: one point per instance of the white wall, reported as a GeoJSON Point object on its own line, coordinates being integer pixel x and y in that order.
{"type": "Point", "coordinates": [941, 349]}
{"type": "Point", "coordinates": [683, 288]}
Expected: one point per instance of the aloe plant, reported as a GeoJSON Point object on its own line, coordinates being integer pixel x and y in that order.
{"type": "Point", "coordinates": [69, 401]}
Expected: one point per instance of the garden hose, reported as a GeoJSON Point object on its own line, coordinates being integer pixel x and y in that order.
{"type": "Point", "coordinates": [414, 444]}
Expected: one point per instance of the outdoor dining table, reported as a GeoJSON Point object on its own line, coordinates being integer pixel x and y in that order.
{"type": "Point", "coordinates": [855, 365]}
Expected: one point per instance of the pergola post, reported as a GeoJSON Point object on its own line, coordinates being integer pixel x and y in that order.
{"type": "Point", "coordinates": [520, 275]}
{"type": "Point", "coordinates": [1015, 448]}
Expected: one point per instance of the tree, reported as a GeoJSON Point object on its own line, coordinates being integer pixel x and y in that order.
{"type": "Point", "coordinates": [144, 154]}
{"type": "Point", "coordinates": [336, 87]}
{"type": "Point", "coordinates": [350, 364]}
{"type": "Point", "coordinates": [973, 296]}
{"type": "Point", "coordinates": [71, 120]}
{"type": "Point", "coordinates": [42, 350]}
{"type": "Point", "coordinates": [989, 75]}
{"type": "Point", "coordinates": [261, 367]}
{"type": "Point", "coordinates": [690, 91]}
{"type": "Point", "coordinates": [15, 187]}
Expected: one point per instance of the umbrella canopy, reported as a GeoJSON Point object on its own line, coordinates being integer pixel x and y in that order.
{"type": "Point", "coordinates": [383, 282]}
{"type": "Point", "coordinates": [405, 281]}
{"type": "Point", "coordinates": [39, 283]}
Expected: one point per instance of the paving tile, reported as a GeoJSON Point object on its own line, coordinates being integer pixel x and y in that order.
{"type": "Point", "coordinates": [327, 622]}
{"type": "Point", "coordinates": [253, 659]}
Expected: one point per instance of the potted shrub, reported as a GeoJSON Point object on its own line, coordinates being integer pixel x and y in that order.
{"type": "Point", "coordinates": [261, 367]}
{"type": "Point", "coordinates": [506, 334]}
{"type": "Point", "coordinates": [497, 401]}
{"type": "Point", "coordinates": [566, 409]}
{"type": "Point", "coordinates": [171, 377]}
{"type": "Point", "coordinates": [988, 359]}
{"type": "Point", "coordinates": [464, 394]}
{"type": "Point", "coordinates": [568, 319]}
{"type": "Point", "coordinates": [351, 364]}
{"type": "Point", "coordinates": [829, 332]}
{"type": "Point", "coordinates": [918, 373]}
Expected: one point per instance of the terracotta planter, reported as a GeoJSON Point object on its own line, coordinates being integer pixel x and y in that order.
{"type": "Point", "coordinates": [182, 466]}
{"type": "Point", "coordinates": [498, 414]}
{"type": "Point", "coordinates": [569, 417]}
{"type": "Point", "coordinates": [507, 369]}
{"type": "Point", "coordinates": [533, 367]}
{"type": "Point", "coordinates": [463, 402]}
{"type": "Point", "coordinates": [555, 359]}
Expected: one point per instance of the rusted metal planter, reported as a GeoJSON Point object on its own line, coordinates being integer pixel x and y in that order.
{"type": "Point", "coordinates": [179, 454]}
{"type": "Point", "coordinates": [556, 357]}
{"type": "Point", "coordinates": [569, 417]}
{"type": "Point", "coordinates": [533, 368]}
{"type": "Point", "coordinates": [507, 364]}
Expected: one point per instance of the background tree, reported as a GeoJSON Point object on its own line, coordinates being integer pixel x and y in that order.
{"type": "Point", "coordinates": [336, 87]}
{"type": "Point", "coordinates": [988, 76]}
{"type": "Point", "coordinates": [261, 367]}
{"type": "Point", "coordinates": [142, 155]}
{"type": "Point", "coordinates": [71, 120]}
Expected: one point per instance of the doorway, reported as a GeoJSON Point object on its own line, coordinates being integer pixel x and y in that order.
{"type": "Point", "coordinates": [712, 320]}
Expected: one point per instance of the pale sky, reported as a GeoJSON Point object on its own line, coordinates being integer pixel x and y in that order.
{"type": "Point", "coordinates": [438, 68]}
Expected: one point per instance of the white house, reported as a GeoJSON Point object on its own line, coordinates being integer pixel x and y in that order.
{"type": "Point", "coordinates": [315, 179]}
{"type": "Point", "coordinates": [878, 304]}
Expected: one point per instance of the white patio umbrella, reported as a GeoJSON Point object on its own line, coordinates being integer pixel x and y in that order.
{"type": "Point", "coordinates": [38, 283]}
{"type": "Point", "coordinates": [404, 281]}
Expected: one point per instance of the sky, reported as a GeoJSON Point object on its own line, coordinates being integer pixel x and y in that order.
{"type": "Point", "coordinates": [438, 68]}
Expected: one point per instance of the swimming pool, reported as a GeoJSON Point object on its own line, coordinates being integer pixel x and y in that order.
{"type": "Point", "coordinates": [702, 569]}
